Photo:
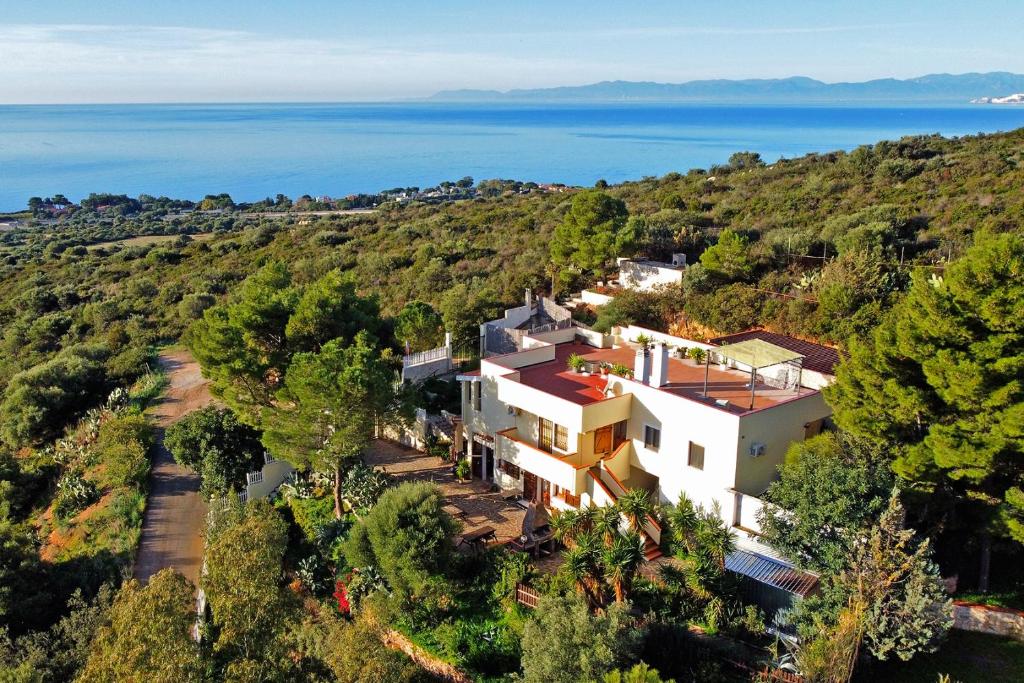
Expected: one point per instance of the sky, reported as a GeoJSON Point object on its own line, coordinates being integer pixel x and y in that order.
{"type": "Point", "coordinates": [78, 51]}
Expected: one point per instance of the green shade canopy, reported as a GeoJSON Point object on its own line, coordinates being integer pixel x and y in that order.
{"type": "Point", "coordinates": [757, 353]}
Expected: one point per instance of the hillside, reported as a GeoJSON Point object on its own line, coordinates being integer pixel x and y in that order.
{"type": "Point", "coordinates": [917, 201]}
{"type": "Point", "coordinates": [933, 88]}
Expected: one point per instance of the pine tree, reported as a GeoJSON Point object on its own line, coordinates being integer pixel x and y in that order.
{"type": "Point", "coordinates": [942, 376]}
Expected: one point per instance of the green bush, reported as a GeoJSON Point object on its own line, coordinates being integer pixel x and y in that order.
{"type": "Point", "coordinates": [127, 464]}
{"type": "Point", "coordinates": [311, 514]}
{"type": "Point", "coordinates": [408, 537]}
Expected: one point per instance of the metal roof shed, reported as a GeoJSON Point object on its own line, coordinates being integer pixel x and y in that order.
{"type": "Point", "coordinates": [757, 354]}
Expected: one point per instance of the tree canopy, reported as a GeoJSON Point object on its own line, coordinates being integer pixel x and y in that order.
{"type": "Point", "coordinates": [940, 378]}
{"type": "Point", "coordinates": [331, 405]}
{"type": "Point", "coordinates": [214, 443]}
{"type": "Point", "coordinates": [149, 634]}
{"type": "Point", "coordinates": [587, 240]}
{"type": "Point", "coordinates": [830, 487]}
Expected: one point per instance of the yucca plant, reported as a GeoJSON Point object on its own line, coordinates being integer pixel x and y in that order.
{"type": "Point", "coordinates": [607, 520]}
{"type": "Point", "coordinates": [621, 561]}
{"type": "Point", "coordinates": [561, 523]}
{"type": "Point", "coordinates": [635, 504]}
{"type": "Point", "coordinates": [582, 562]}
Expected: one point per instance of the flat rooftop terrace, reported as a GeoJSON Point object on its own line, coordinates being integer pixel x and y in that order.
{"type": "Point", "coordinates": [685, 379]}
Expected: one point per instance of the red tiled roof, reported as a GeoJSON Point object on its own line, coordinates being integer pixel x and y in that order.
{"type": "Point", "coordinates": [817, 358]}
{"type": "Point", "coordinates": [684, 379]}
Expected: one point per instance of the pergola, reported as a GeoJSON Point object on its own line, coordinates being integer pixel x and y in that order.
{"type": "Point", "coordinates": [757, 354]}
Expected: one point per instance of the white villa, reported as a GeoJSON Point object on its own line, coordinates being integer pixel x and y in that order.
{"type": "Point", "coordinates": [716, 430]}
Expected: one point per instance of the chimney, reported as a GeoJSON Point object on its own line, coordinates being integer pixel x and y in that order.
{"type": "Point", "coordinates": [679, 259]}
{"type": "Point", "coordinates": [529, 298]}
{"type": "Point", "coordinates": [642, 365]}
{"type": "Point", "coordinates": [659, 365]}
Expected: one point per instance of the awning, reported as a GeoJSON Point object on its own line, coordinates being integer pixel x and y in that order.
{"type": "Point", "coordinates": [757, 353]}
{"type": "Point", "coordinates": [483, 439]}
{"type": "Point", "coordinates": [771, 572]}
{"type": "Point", "coordinates": [473, 376]}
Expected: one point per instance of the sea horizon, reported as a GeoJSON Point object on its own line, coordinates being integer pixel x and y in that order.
{"type": "Point", "coordinates": [256, 149]}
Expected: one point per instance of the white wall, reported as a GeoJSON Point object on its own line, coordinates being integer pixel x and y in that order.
{"type": "Point", "coordinates": [647, 275]}
{"type": "Point", "coordinates": [274, 474]}
{"type": "Point", "coordinates": [592, 298]}
{"type": "Point", "coordinates": [629, 333]}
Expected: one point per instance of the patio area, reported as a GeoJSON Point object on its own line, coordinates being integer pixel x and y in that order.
{"type": "Point", "coordinates": [472, 503]}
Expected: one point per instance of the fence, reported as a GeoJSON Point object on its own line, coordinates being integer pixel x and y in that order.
{"type": "Point", "coordinates": [428, 356]}
{"type": "Point", "coordinates": [526, 596]}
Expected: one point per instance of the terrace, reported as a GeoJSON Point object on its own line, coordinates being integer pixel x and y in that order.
{"type": "Point", "coordinates": [726, 388]}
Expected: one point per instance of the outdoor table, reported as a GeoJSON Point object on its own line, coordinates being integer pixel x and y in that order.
{"type": "Point", "coordinates": [478, 539]}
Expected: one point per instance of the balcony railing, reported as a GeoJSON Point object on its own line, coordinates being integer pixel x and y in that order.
{"type": "Point", "coordinates": [567, 472]}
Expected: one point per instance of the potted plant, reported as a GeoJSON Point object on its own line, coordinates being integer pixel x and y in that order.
{"type": "Point", "coordinates": [576, 362]}
{"type": "Point", "coordinates": [462, 470]}
{"type": "Point", "coordinates": [605, 368]}
{"type": "Point", "coordinates": [622, 370]}
{"type": "Point", "coordinates": [644, 341]}
{"type": "Point", "coordinates": [698, 355]}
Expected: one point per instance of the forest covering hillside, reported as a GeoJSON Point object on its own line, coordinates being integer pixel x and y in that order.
{"type": "Point", "coordinates": [819, 247]}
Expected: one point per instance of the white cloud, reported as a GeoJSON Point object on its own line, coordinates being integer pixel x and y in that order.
{"type": "Point", "coordinates": [80, 63]}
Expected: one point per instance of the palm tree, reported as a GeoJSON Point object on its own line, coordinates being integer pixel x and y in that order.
{"type": "Point", "coordinates": [713, 539]}
{"type": "Point", "coordinates": [621, 561]}
{"type": "Point", "coordinates": [582, 562]}
{"type": "Point", "coordinates": [607, 521]}
{"type": "Point", "coordinates": [684, 521]}
{"type": "Point", "coordinates": [635, 504]}
{"type": "Point", "coordinates": [585, 519]}
{"type": "Point", "coordinates": [563, 525]}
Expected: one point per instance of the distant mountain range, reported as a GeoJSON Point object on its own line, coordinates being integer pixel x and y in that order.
{"type": "Point", "coordinates": [933, 88]}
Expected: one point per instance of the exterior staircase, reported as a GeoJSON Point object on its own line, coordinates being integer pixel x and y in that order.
{"type": "Point", "coordinates": [652, 550]}
{"type": "Point", "coordinates": [614, 488]}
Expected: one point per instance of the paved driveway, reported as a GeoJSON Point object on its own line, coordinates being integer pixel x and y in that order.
{"type": "Point", "coordinates": [175, 512]}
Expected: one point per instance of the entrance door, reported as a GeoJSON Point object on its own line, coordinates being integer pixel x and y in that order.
{"type": "Point", "coordinates": [603, 440]}
{"type": "Point", "coordinates": [489, 463]}
{"type": "Point", "coordinates": [529, 486]}
{"type": "Point", "coordinates": [476, 467]}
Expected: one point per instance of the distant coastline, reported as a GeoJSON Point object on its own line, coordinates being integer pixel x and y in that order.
{"type": "Point", "coordinates": [796, 90]}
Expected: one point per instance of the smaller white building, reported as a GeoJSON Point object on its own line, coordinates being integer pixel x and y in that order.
{"type": "Point", "coordinates": [645, 275]}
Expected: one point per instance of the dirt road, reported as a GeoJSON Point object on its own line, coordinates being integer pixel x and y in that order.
{"type": "Point", "coordinates": [175, 512]}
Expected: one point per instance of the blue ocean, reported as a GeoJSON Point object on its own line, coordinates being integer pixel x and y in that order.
{"type": "Point", "coordinates": [255, 150]}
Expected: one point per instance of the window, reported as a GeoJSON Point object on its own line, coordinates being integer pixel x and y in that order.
{"type": "Point", "coordinates": [618, 434]}
{"type": "Point", "coordinates": [545, 438]}
{"type": "Point", "coordinates": [552, 435]}
{"type": "Point", "coordinates": [696, 458]}
{"type": "Point", "coordinates": [476, 395]}
{"type": "Point", "coordinates": [509, 469]}
{"type": "Point", "coordinates": [652, 437]}
{"type": "Point", "coordinates": [561, 438]}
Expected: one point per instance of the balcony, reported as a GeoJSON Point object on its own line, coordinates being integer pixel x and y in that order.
{"type": "Point", "coordinates": [568, 472]}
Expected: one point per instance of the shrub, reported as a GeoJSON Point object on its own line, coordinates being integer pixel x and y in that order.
{"type": "Point", "coordinates": [127, 464]}
{"type": "Point", "coordinates": [565, 643]}
{"type": "Point", "coordinates": [217, 445]}
{"type": "Point", "coordinates": [311, 514]}
{"type": "Point", "coordinates": [408, 537]}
